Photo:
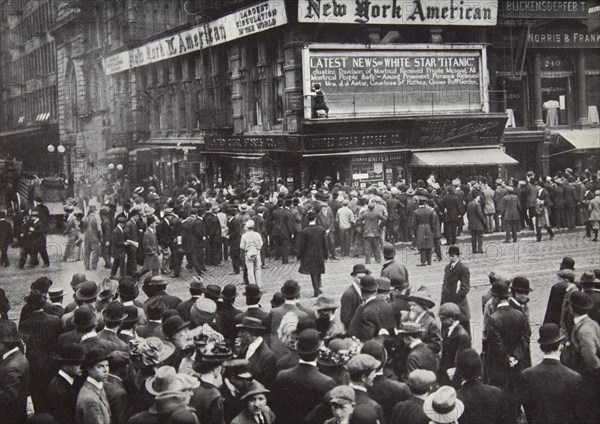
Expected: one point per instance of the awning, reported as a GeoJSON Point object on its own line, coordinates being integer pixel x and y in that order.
{"type": "Point", "coordinates": [582, 139]}
{"type": "Point", "coordinates": [240, 155]}
{"type": "Point", "coordinates": [19, 132]}
{"type": "Point", "coordinates": [462, 157]}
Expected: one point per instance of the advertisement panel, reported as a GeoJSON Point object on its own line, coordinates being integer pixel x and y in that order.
{"type": "Point", "coordinates": [399, 12]}
{"type": "Point", "coordinates": [360, 82]}
{"type": "Point", "coordinates": [544, 9]}
{"type": "Point", "coordinates": [248, 21]}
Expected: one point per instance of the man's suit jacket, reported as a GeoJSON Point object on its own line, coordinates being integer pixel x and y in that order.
{"type": "Point", "coordinates": [371, 223]}
{"type": "Point", "coordinates": [512, 207]}
{"type": "Point", "coordinates": [351, 300]}
{"type": "Point", "coordinates": [409, 411]}
{"type": "Point", "coordinates": [275, 318]}
{"type": "Point", "coordinates": [151, 252]}
{"type": "Point", "coordinates": [14, 375]}
{"type": "Point", "coordinates": [225, 318]}
{"type": "Point", "coordinates": [451, 207]}
{"type": "Point", "coordinates": [234, 226]}
{"type": "Point", "coordinates": [113, 337]}
{"type": "Point", "coordinates": [421, 357]}
{"type": "Point", "coordinates": [92, 405]}
{"type": "Point", "coordinates": [395, 269]}
{"type": "Point", "coordinates": [117, 399]}
{"type": "Point", "coordinates": [286, 224]}
{"type": "Point", "coordinates": [483, 404]}
{"type": "Point", "coordinates": [40, 333]}
{"type": "Point", "coordinates": [312, 250]}
{"type": "Point", "coordinates": [263, 364]}
{"type": "Point", "coordinates": [363, 398]}
{"type": "Point", "coordinates": [475, 216]}
{"type": "Point", "coordinates": [458, 341]}
{"type": "Point", "coordinates": [555, 303]}
{"type": "Point", "coordinates": [61, 398]}
{"type": "Point", "coordinates": [388, 393]}
{"type": "Point", "coordinates": [585, 341]}
{"type": "Point", "coordinates": [118, 248]}
{"type": "Point", "coordinates": [244, 417]}
{"type": "Point", "coordinates": [550, 393]}
{"type": "Point", "coordinates": [370, 317]}
{"type": "Point", "coordinates": [299, 390]}
{"type": "Point", "coordinates": [452, 277]}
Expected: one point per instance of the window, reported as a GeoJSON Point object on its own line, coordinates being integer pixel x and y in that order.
{"type": "Point", "coordinates": [70, 97]}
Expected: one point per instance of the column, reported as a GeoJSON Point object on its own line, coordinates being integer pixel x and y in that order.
{"type": "Point", "coordinates": [537, 91]}
{"type": "Point", "coordinates": [582, 112]}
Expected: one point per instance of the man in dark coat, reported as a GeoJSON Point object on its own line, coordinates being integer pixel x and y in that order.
{"type": "Point", "coordinates": [392, 268]}
{"type": "Point", "coordinates": [6, 239]}
{"type": "Point", "coordinates": [61, 395]}
{"type": "Point", "coordinates": [476, 223]}
{"type": "Point", "coordinates": [226, 313]}
{"type": "Point", "coordinates": [190, 242]}
{"type": "Point", "coordinates": [300, 389]}
{"type": "Point", "coordinates": [118, 249]}
{"type": "Point", "coordinates": [213, 236]}
{"type": "Point", "coordinates": [571, 200]}
{"type": "Point", "coordinates": [507, 350]}
{"type": "Point", "coordinates": [14, 375]}
{"type": "Point", "coordinates": [511, 214]}
{"type": "Point", "coordinates": [134, 232]}
{"type": "Point", "coordinates": [286, 230]}
{"type": "Point", "coordinates": [457, 285]}
{"type": "Point", "coordinates": [451, 209]}
{"type": "Point", "coordinates": [262, 360]}
{"type": "Point", "coordinates": [196, 288]}
{"type": "Point", "coordinates": [361, 369]}
{"type": "Point", "coordinates": [454, 340]}
{"type": "Point", "coordinates": [484, 404]}
{"type": "Point", "coordinates": [421, 382]}
{"type": "Point", "coordinates": [253, 295]}
{"type": "Point", "coordinates": [373, 315]}
{"type": "Point", "coordinates": [550, 392]}
{"type": "Point", "coordinates": [417, 355]}
{"type": "Point", "coordinates": [291, 292]}
{"type": "Point", "coordinates": [40, 333]}
{"type": "Point", "coordinates": [371, 222]}
{"type": "Point", "coordinates": [557, 195]}
{"type": "Point", "coordinates": [352, 297]}
{"type": "Point", "coordinates": [312, 252]}
{"type": "Point", "coordinates": [557, 296]}
{"type": "Point", "coordinates": [423, 227]}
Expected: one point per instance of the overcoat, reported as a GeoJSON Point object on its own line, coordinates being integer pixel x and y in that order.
{"type": "Point", "coordinates": [475, 216]}
{"type": "Point", "coordinates": [312, 250]}
{"type": "Point", "coordinates": [452, 292]}
{"type": "Point", "coordinates": [14, 375]}
{"type": "Point", "coordinates": [423, 224]}
{"type": "Point", "coordinates": [370, 317]}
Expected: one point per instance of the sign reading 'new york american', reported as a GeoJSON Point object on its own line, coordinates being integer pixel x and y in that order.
{"type": "Point", "coordinates": [399, 12]}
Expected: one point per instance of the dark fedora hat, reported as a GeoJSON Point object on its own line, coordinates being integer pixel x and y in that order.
{"type": "Point", "coordinates": [549, 334]}
{"type": "Point", "coordinates": [71, 353]}
{"type": "Point", "coordinates": [290, 289]}
{"type": "Point", "coordinates": [229, 292]}
{"type": "Point", "coordinates": [96, 355]}
{"type": "Point", "coordinates": [174, 325]}
{"type": "Point", "coordinates": [196, 285]}
{"type": "Point", "coordinates": [368, 283]}
{"type": "Point", "coordinates": [127, 288]}
{"type": "Point", "coordinates": [84, 316]}
{"type": "Point", "coordinates": [253, 291]}
{"type": "Point", "coordinates": [131, 313]}
{"type": "Point", "coordinates": [308, 342]}
{"type": "Point", "coordinates": [77, 280]}
{"type": "Point", "coordinates": [87, 290]}
{"type": "Point", "coordinates": [156, 308]}
{"type": "Point", "coordinates": [580, 300]}
{"type": "Point", "coordinates": [35, 299]}
{"type": "Point", "coordinates": [588, 278]}
{"type": "Point", "coordinates": [359, 269]}
{"type": "Point", "coordinates": [389, 251]}
{"type": "Point", "coordinates": [250, 323]}
{"type": "Point", "coordinates": [567, 263]}
{"type": "Point", "coordinates": [114, 312]}
{"type": "Point", "coordinates": [212, 291]}
{"type": "Point", "coordinates": [42, 284]}
{"type": "Point", "coordinates": [500, 289]}
{"type": "Point", "coordinates": [520, 284]}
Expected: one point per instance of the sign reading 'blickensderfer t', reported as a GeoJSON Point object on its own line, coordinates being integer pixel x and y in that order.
{"type": "Point", "coordinates": [399, 12]}
{"type": "Point", "coordinates": [544, 9]}
{"type": "Point", "coordinates": [248, 21]}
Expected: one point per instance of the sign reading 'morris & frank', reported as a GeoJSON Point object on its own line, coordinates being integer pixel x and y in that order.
{"type": "Point", "coordinates": [399, 12]}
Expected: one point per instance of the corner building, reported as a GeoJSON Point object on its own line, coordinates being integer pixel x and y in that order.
{"type": "Point", "coordinates": [228, 95]}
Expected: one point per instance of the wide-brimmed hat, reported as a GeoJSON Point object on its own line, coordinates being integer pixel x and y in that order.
{"type": "Point", "coordinates": [138, 190]}
{"type": "Point", "coordinates": [84, 316]}
{"type": "Point", "coordinates": [290, 289]}
{"type": "Point", "coordinates": [250, 323]}
{"type": "Point", "coordinates": [127, 288]}
{"type": "Point", "coordinates": [157, 280]}
{"type": "Point", "coordinates": [389, 252]}
{"type": "Point", "coordinates": [35, 299]}
{"type": "Point", "coordinates": [549, 334]}
{"type": "Point", "coordinates": [520, 284]}
{"type": "Point", "coordinates": [243, 207]}
{"type": "Point", "coordinates": [168, 402]}
{"type": "Point", "coordinates": [308, 342]}
{"type": "Point", "coordinates": [108, 288]}
{"type": "Point", "coordinates": [70, 353]}
{"type": "Point", "coordinates": [165, 379]}
{"type": "Point", "coordinates": [148, 210]}
{"type": "Point", "coordinates": [339, 351]}
{"type": "Point", "coordinates": [229, 292]}
{"type": "Point", "coordinates": [212, 353]}
{"type": "Point", "coordinates": [149, 352]}
{"type": "Point", "coordinates": [87, 290]}
{"type": "Point", "coordinates": [114, 312]}
{"type": "Point", "coordinates": [359, 269]}
{"type": "Point", "coordinates": [580, 300]}
{"type": "Point", "coordinates": [423, 298]}
{"type": "Point", "coordinates": [215, 209]}
{"type": "Point", "coordinates": [368, 283]}
{"type": "Point", "coordinates": [443, 406]}
{"type": "Point", "coordinates": [9, 332]}
{"type": "Point", "coordinates": [326, 302]}
{"type": "Point", "coordinates": [253, 291]}
{"type": "Point", "coordinates": [255, 389]}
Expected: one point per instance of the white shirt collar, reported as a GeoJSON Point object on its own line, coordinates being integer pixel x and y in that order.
{"type": "Point", "coordinates": [414, 344]}
{"type": "Point", "coordinates": [358, 387]}
{"type": "Point", "coordinates": [110, 329]}
{"type": "Point", "coordinates": [576, 320]}
{"type": "Point", "coordinates": [313, 363]}
{"type": "Point", "coordinates": [116, 377]}
{"type": "Point", "coordinates": [452, 327]}
{"type": "Point", "coordinates": [66, 376]}
{"type": "Point", "coordinates": [95, 382]}
{"type": "Point", "coordinates": [128, 303]}
{"type": "Point", "coordinates": [552, 355]}
{"type": "Point", "coordinates": [253, 346]}
{"type": "Point", "coordinates": [10, 352]}
{"type": "Point", "coordinates": [230, 386]}
{"type": "Point", "coordinates": [370, 299]}
{"type": "Point", "coordinates": [89, 335]}
{"type": "Point", "coordinates": [290, 302]}
{"type": "Point", "coordinates": [256, 306]}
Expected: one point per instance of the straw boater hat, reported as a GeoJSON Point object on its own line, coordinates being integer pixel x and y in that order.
{"type": "Point", "coordinates": [443, 406]}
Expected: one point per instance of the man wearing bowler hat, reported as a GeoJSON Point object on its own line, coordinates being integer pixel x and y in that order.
{"type": "Point", "coordinates": [457, 283]}
{"type": "Point", "coordinates": [113, 315]}
{"type": "Point", "coordinates": [373, 315]}
{"type": "Point", "coordinates": [253, 295]}
{"type": "Point", "coordinates": [300, 389]}
{"type": "Point", "coordinates": [392, 268]}
{"type": "Point", "coordinates": [557, 295]}
{"type": "Point", "coordinates": [128, 293]}
{"type": "Point", "coordinates": [61, 395]}
{"type": "Point", "coordinates": [155, 287]}
{"type": "Point", "coordinates": [519, 298]}
{"type": "Point", "coordinates": [226, 313]}
{"type": "Point", "coordinates": [14, 375]}
{"type": "Point", "coordinates": [92, 405]}
{"type": "Point", "coordinates": [550, 392]}
{"type": "Point", "coordinates": [196, 288]}
{"type": "Point", "coordinates": [252, 346]}
{"type": "Point", "coordinates": [291, 293]}
{"type": "Point", "coordinates": [154, 311]}
{"type": "Point", "coordinates": [312, 251]}
{"type": "Point", "coordinates": [591, 286]}
{"type": "Point", "coordinates": [352, 297]}
{"type": "Point", "coordinates": [454, 340]}
{"type": "Point", "coordinates": [584, 345]}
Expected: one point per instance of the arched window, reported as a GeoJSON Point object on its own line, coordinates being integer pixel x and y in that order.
{"type": "Point", "coordinates": [70, 96]}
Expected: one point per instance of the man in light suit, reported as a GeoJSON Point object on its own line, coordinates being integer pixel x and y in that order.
{"type": "Point", "coordinates": [457, 285]}
{"type": "Point", "coordinates": [92, 404]}
{"type": "Point", "coordinates": [352, 297]}
{"type": "Point", "coordinates": [373, 315]}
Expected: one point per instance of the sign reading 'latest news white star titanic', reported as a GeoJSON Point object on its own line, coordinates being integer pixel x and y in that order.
{"type": "Point", "coordinates": [399, 12]}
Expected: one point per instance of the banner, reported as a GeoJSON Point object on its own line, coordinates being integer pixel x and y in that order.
{"type": "Point", "coordinates": [248, 21]}
{"type": "Point", "coordinates": [550, 38]}
{"type": "Point", "coordinates": [399, 12]}
{"type": "Point", "coordinates": [544, 9]}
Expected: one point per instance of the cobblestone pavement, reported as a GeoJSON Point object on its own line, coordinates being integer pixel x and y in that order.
{"type": "Point", "coordinates": [537, 261]}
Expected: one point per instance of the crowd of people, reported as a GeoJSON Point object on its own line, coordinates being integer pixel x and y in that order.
{"type": "Point", "coordinates": [376, 354]}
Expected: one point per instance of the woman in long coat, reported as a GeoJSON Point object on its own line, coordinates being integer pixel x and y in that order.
{"type": "Point", "coordinates": [423, 225]}
{"type": "Point", "coordinates": [312, 252]}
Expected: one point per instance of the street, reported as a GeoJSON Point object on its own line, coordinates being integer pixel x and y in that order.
{"type": "Point", "coordinates": [537, 261]}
